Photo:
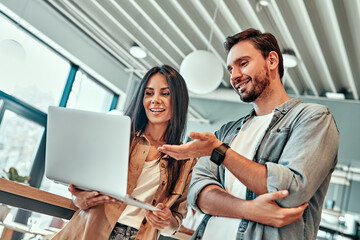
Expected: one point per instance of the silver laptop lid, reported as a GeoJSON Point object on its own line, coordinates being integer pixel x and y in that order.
{"type": "Point", "coordinates": [88, 149]}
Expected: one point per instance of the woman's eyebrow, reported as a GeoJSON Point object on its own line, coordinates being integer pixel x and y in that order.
{"type": "Point", "coordinates": [150, 88]}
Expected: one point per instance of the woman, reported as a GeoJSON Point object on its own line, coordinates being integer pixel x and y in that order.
{"type": "Point", "coordinates": [158, 112]}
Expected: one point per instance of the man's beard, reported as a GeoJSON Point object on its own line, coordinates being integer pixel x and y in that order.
{"type": "Point", "coordinates": [259, 84]}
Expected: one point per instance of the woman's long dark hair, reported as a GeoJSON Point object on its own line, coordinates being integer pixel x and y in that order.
{"type": "Point", "coordinates": [179, 100]}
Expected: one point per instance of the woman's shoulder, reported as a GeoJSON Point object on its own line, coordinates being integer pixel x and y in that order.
{"type": "Point", "coordinates": [189, 163]}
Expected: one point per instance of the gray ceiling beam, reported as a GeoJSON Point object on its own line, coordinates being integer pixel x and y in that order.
{"type": "Point", "coordinates": [143, 31]}
{"type": "Point", "coordinates": [97, 33]}
{"type": "Point", "coordinates": [305, 26]}
{"type": "Point", "coordinates": [277, 16]}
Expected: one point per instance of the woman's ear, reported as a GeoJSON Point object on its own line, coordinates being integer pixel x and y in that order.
{"type": "Point", "coordinates": [273, 60]}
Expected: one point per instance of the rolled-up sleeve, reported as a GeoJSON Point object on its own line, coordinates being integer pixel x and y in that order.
{"type": "Point", "coordinates": [307, 160]}
{"type": "Point", "coordinates": [205, 173]}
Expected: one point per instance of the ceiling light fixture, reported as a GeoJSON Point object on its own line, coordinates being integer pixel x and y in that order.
{"type": "Point", "coordinates": [260, 4]}
{"type": "Point", "coordinates": [137, 51]}
{"type": "Point", "coordinates": [201, 69]}
{"type": "Point", "coordinates": [337, 96]}
{"type": "Point", "coordinates": [289, 58]}
{"type": "Point", "coordinates": [264, 3]}
{"type": "Point", "coordinates": [12, 52]}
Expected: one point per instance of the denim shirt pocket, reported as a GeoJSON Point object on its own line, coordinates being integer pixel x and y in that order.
{"type": "Point", "coordinates": [272, 145]}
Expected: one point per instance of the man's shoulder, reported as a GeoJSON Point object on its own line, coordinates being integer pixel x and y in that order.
{"type": "Point", "coordinates": [306, 111]}
{"type": "Point", "coordinates": [312, 108]}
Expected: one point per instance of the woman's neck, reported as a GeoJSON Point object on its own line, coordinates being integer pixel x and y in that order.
{"type": "Point", "coordinates": [155, 133]}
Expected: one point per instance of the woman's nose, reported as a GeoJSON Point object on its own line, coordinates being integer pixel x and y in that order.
{"type": "Point", "coordinates": [155, 99]}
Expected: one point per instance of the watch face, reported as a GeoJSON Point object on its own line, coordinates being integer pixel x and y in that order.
{"type": "Point", "coordinates": [216, 157]}
{"type": "Point", "coordinates": [218, 154]}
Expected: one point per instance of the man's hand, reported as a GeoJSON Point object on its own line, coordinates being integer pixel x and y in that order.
{"type": "Point", "coordinates": [87, 199]}
{"type": "Point", "coordinates": [265, 210]}
{"type": "Point", "coordinates": [159, 219]}
{"type": "Point", "coordinates": [203, 145]}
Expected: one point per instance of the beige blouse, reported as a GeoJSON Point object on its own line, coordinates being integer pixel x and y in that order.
{"type": "Point", "coordinates": [98, 222]}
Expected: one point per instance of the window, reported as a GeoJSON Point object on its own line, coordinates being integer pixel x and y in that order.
{"type": "Point", "coordinates": [19, 140]}
{"type": "Point", "coordinates": [89, 95]}
{"type": "Point", "coordinates": [32, 77]}
{"type": "Point", "coordinates": [29, 70]}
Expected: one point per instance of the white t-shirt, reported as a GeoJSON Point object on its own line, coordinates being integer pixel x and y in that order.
{"type": "Point", "coordinates": [244, 143]}
{"type": "Point", "coordinates": [146, 186]}
{"type": "Point", "coordinates": [192, 219]}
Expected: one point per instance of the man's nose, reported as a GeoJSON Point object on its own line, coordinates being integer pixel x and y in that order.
{"type": "Point", "coordinates": [236, 75]}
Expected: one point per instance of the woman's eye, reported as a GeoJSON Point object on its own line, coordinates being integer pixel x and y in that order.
{"type": "Point", "coordinates": [166, 93]}
{"type": "Point", "coordinates": [148, 93]}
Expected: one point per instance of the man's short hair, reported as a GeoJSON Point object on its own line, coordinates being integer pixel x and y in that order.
{"type": "Point", "coordinates": [265, 42]}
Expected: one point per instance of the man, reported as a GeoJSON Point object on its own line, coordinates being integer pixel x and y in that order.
{"type": "Point", "coordinates": [282, 144]}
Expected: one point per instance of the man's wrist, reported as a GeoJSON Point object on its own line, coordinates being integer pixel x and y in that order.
{"type": "Point", "coordinates": [218, 154]}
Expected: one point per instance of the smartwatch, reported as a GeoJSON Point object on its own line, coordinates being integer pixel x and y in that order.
{"type": "Point", "coordinates": [218, 154]}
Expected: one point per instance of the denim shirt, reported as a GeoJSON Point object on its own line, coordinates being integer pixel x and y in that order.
{"type": "Point", "coordinates": [299, 149]}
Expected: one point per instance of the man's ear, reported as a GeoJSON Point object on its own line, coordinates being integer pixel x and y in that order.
{"type": "Point", "coordinates": [273, 60]}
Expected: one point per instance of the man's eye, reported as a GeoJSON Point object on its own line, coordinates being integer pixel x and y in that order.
{"type": "Point", "coordinates": [243, 64]}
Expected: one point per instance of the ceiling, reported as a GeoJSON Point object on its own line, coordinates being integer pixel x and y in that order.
{"type": "Point", "coordinates": [324, 34]}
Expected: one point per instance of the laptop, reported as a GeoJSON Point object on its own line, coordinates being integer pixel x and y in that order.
{"type": "Point", "coordinates": [91, 151]}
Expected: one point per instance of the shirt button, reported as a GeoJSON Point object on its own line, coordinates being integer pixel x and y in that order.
{"type": "Point", "coordinates": [154, 201]}
{"type": "Point", "coordinates": [278, 130]}
{"type": "Point", "coordinates": [163, 165]}
{"type": "Point", "coordinates": [144, 152]}
{"type": "Point", "coordinates": [163, 183]}
{"type": "Point", "coordinates": [144, 221]}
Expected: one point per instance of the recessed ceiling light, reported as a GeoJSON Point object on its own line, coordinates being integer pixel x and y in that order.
{"type": "Point", "coordinates": [332, 95]}
{"type": "Point", "coordinates": [260, 4]}
{"type": "Point", "coordinates": [264, 3]}
{"type": "Point", "coordinates": [137, 51]}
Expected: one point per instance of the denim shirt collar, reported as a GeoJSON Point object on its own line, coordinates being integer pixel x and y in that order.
{"type": "Point", "coordinates": [288, 105]}
{"type": "Point", "coordinates": [282, 109]}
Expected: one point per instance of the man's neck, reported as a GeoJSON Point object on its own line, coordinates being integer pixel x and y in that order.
{"type": "Point", "coordinates": [266, 103]}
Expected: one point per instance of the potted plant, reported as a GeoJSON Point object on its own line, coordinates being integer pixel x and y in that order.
{"type": "Point", "coordinates": [13, 175]}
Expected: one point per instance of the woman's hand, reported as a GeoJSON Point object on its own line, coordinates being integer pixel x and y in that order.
{"type": "Point", "coordinates": [87, 199]}
{"type": "Point", "coordinates": [159, 219]}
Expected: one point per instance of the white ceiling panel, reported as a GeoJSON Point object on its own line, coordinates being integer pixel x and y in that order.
{"type": "Point", "coordinates": [324, 34]}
